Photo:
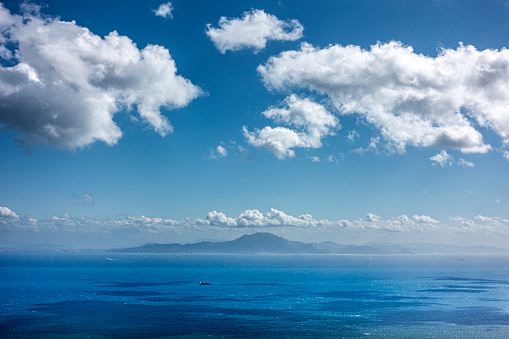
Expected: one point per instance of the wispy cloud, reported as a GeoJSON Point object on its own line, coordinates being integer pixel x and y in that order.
{"type": "Point", "coordinates": [84, 199]}
{"type": "Point", "coordinates": [164, 10]}
{"type": "Point", "coordinates": [253, 30]}
{"type": "Point", "coordinates": [464, 163]}
{"type": "Point", "coordinates": [372, 146]}
{"type": "Point", "coordinates": [244, 154]}
{"type": "Point", "coordinates": [352, 135]}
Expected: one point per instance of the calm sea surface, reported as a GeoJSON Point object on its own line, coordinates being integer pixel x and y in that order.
{"type": "Point", "coordinates": [111, 295]}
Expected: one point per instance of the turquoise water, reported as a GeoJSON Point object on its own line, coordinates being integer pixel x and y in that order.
{"type": "Point", "coordinates": [111, 295]}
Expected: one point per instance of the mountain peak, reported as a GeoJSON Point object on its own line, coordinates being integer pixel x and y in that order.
{"type": "Point", "coordinates": [260, 236]}
{"type": "Point", "coordinates": [261, 242]}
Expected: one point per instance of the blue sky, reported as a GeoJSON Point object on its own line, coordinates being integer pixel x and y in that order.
{"type": "Point", "coordinates": [351, 121]}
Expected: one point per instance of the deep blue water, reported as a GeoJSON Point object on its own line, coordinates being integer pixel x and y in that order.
{"type": "Point", "coordinates": [111, 295]}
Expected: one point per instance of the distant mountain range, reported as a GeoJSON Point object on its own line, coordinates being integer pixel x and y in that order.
{"type": "Point", "coordinates": [255, 243]}
{"type": "Point", "coordinates": [270, 243]}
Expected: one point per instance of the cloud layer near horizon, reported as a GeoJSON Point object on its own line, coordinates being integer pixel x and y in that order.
{"type": "Point", "coordinates": [66, 83]}
{"type": "Point", "coordinates": [255, 220]}
{"type": "Point", "coordinates": [412, 99]}
{"type": "Point", "coordinates": [253, 30]}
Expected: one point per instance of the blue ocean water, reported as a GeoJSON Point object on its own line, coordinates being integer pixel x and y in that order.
{"type": "Point", "coordinates": [112, 295]}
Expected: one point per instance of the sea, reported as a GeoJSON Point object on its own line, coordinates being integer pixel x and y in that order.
{"type": "Point", "coordinates": [120, 295]}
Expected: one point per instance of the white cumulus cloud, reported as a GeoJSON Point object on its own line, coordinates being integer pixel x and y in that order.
{"type": "Point", "coordinates": [220, 219]}
{"type": "Point", "coordinates": [413, 99]}
{"type": "Point", "coordinates": [402, 223]}
{"type": "Point", "coordinates": [218, 152]}
{"type": "Point", "coordinates": [443, 159]}
{"type": "Point", "coordinates": [68, 83]}
{"type": "Point", "coordinates": [6, 213]}
{"type": "Point", "coordinates": [481, 224]}
{"type": "Point", "coordinates": [310, 122]}
{"type": "Point", "coordinates": [253, 30]}
{"type": "Point", "coordinates": [164, 10]}
{"type": "Point", "coordinates": [221, 151]}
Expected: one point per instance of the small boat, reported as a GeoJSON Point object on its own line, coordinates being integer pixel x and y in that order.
{"type": "Point", "coordinates": [205, 283]}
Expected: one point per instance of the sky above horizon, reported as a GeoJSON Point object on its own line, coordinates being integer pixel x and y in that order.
{"type": "Point", "coordinates": [355, 121]}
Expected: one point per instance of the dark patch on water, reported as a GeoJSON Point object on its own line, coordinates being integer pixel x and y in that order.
{"type": "Point", "coordinates": [221, 300]}
{"type": "Point", "coordinates": [263, 284]}
{"type": "Point", "coordinates": [207, 299]}
{"type": "Point", "coordinates": [474, 280]}
{"type": "Point", "coordinates": [158, 299]}
{"type": "Point", "coordinates": [192, 298]}
{"type": "Point", "coordinates": [493, 300]}
{"type": "Point", "coordinates": [470, 286]}
{"type": "Point", "coordinates": [117, 319]}
{"type": "Point", "coordinates": [452, 290]}
{"type": "Point", "coordinates": [401, 298]}
{"type": "Point", "coordinates": [129, 293]}
{"type": "Point", "coordinates": [128, 284]}
{"type": "Point", "coordinates": [350, 294]}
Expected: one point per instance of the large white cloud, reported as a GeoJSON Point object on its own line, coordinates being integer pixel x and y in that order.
{"type": "Point", "coordinates": [254, 218]}
{"type": "Point", "coordinates": [219, 219]}
{"type": "Point", "coordinates": [67, 83]}
{"type": "Point", "coordinates": [412, 99]}
{"type": "Point", "coordinates": [253, 30]}
{"type": "Point", "coordinates": [310, 120]}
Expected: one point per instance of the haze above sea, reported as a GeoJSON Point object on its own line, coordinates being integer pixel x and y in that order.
{"type": "Point", "coordinates": [114, 295]}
